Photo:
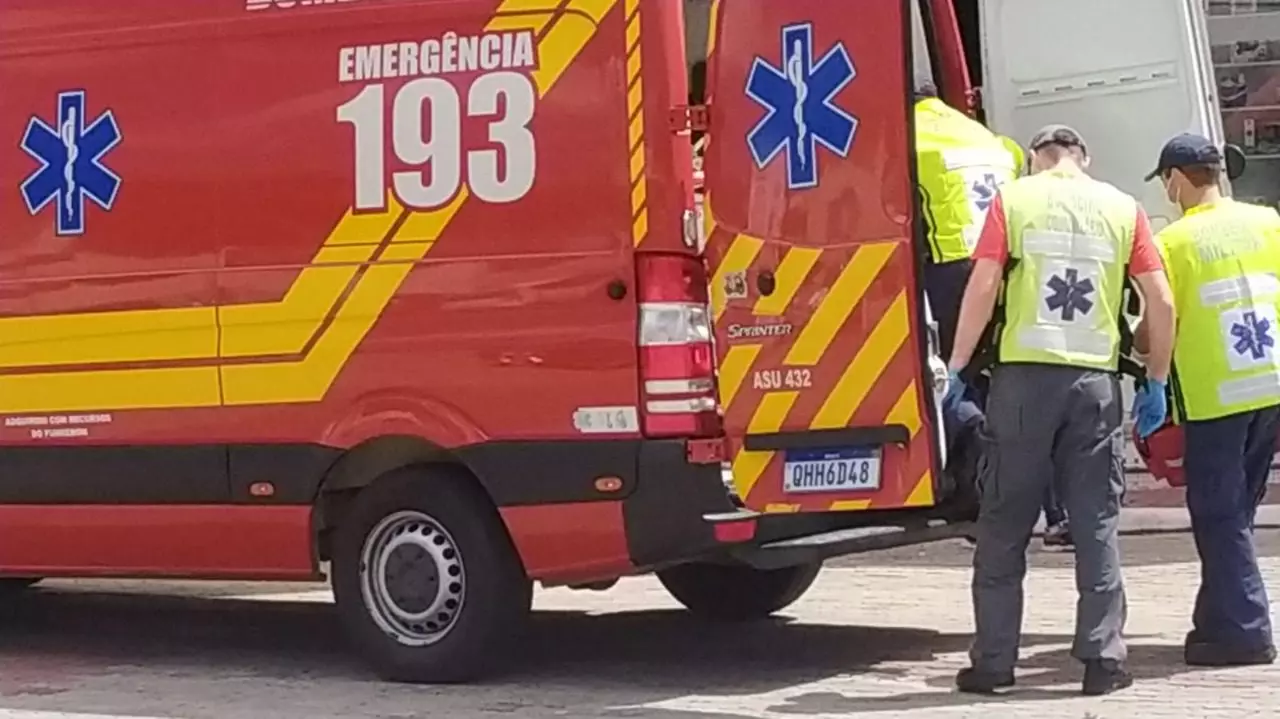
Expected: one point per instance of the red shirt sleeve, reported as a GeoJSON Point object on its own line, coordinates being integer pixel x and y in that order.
{"type": "Point", "coordinates": [993, 243]}
{"type": "Point", "coordinates": [1144, 258]}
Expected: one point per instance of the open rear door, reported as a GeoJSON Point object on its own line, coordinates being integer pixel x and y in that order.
{"type": "Point", "coordinates": [1128, 74]}
{"type": "Point", "coordinates": [817, 310]}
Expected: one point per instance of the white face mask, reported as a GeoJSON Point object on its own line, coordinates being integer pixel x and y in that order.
{"type": "Point", "coordinates": [1173, 191]}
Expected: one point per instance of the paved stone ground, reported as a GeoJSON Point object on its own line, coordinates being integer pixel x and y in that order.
{"type": "Point", "coordinates": [881, 635]}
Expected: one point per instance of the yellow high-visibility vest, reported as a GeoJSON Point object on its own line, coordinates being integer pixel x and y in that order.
{"type": "Point", "coordinates": [960, 166]}
{"type": "Point", "coordinates": [1070, 238]}
{"type": "Point", "coordinates": [1223, 262]}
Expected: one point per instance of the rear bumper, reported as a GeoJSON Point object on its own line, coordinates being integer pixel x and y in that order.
{"type": "Point", "coordinates": [819, 546]}
{"type": "Point", "coordinates": [674, 510]}
{"type": "Point", "coordinates": [664, 514]}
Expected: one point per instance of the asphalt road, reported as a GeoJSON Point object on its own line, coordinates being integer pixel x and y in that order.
{"type": "Point", "coordinates": [898, 625]}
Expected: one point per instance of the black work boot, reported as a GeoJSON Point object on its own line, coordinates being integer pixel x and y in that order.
{"type": "Point", "coordinates": [977, 681]}
{"type": "Point", "coordinates": [1058, 535]}
{"type": "Point", "coordinates": [1200, 653]}
{"type": "Point", "coordinates": [1103, 676]}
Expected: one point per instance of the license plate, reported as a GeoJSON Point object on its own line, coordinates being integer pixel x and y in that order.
{"type": "Point", "coordinates": [832, 470]}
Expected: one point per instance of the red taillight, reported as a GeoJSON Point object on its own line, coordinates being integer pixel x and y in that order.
{"type": "Point", "coordinates": [677, 365]}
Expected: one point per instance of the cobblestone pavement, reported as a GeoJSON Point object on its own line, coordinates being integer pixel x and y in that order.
{"type": "Point", "coordinates": [879, 636]}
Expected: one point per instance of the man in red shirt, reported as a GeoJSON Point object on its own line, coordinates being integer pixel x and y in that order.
{"type": "Point", "coordinates": [1059, 243]}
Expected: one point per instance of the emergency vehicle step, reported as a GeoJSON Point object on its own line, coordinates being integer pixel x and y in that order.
{"type": "Point", "coordinates": [816, 547]}
{"type": "Point", "coordinates": [829, 438]}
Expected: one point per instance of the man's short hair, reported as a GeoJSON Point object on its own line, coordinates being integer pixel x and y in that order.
{"type": "Point", "coordinates": [1058, 136]}
{"type": "Point", "coordinates": [925, 89]}
{"type": "Point", "coordinates": [1200, 176]}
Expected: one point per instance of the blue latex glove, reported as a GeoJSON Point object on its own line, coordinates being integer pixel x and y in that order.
{"type": "Point", "coordinates": [1150, 408]}
{"type": "Point", "coordinates": [956, 389]}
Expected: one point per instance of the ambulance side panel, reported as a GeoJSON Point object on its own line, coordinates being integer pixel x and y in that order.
{"type": "Point", "coordinates": [326, 236]}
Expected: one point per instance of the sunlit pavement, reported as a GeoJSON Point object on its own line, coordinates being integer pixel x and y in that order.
{"type": "Point", "coordinates": [880, 636]}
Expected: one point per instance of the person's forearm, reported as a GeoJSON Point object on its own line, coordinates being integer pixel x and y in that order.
{"type": "Point", "coordinates": [975, 313]}
{"type": "Point", "coordinates": [1142, 338]}
{"type": "Point", "coordinates": [1159, 325]}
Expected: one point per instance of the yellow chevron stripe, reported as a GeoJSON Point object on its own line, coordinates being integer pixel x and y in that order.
{"type": "Point", "coordinates": [865, 369]}
{"type": "Point", "coordinates": [922, 494]}
{"type": "Point", "coordinates": [906, 411]}
{"type": "Point", "coordinates": [741, 253]}
{"type": "Point", "coordinates": [849, 288]}
{"type": "Point", "coordinates": [636, 129]}
{"type": "Point", "coordinates": [713, 29]}
{"type": "Point", "coordinates": [514, 6]}
{"type": "Point", "coordinates": [733, 370]}
{"type": "Point", "coordinates": [791, 272]}
{"type": "Point", "coordinates": [850, 505]}
{"type": "Point", "coordinates": [779, 508]}
{"type": "Point", "coordinates": [748, 466]}
{"type": "Point", "coordinates": [307, 379]}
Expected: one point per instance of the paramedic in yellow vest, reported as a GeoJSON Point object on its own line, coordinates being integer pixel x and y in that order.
{"type": "Point", "coordinates": [960, 165]}
{"type": "Point", "coordinates": [1060, 243]}
{"type": "Point", "coordinates": [1223, 260]}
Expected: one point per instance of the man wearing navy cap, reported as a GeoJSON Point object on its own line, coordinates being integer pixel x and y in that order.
{"type": "Point", "coordinates": [1223, 262]}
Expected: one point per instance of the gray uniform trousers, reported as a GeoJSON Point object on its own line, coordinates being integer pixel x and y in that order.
{"type": "Point", "coordinates": [1046, 421]}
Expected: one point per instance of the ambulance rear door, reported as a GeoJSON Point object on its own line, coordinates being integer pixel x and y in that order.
{"type": "Point", "coordinates": [1128, 75]}
{"type": "Point", "coordinates": [817, 311]}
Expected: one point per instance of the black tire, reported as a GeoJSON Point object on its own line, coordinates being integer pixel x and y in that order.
{"type": "Point", "coordinates": [737, 592]}
{"type": "Point", "coordinates": [490, 593]}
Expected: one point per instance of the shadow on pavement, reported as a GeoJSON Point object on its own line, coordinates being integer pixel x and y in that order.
{"type": "Point", "coordinates": [1046, 676]}
{"type": "Point", "coordinates": [67, 639]}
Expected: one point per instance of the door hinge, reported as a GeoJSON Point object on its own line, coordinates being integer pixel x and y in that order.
{"type": "Point", "coordinates": [696, 118]}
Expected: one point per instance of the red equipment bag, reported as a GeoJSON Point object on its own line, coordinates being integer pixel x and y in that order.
{"type": "Point", "coordinates": [1162, 453]}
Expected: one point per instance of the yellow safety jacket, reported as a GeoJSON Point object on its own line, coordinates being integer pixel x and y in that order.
{"type": "Point", "coordinates": [1223, 261]}
{"type": "Point", "coordinates": [960, 166]}
{"type": "Point", "coordinates": [1070, 238]}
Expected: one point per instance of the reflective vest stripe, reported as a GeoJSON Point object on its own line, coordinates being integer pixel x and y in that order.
{"type": "Point", "coordinates": [962, 157]}
{"type": "Point", "coordinates": [1061, 244]}
{"type": "Point", "coordinates": [1246, 389]}
{"type": "Point", "coordinates": [1065, 339]}
{"type": "Point", "coordinates": [1249, 288]}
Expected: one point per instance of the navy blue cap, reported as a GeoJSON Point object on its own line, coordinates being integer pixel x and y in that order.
{"type": "Point", "coordinates": [1186, 150]}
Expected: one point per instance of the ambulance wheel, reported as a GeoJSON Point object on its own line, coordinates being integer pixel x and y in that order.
{"type": "Point", "coordinates": [737, 592]}
{"type": "Point", "coordinates": [428, 585]}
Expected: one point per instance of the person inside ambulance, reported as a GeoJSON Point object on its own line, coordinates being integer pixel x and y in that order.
{"type": "Point", "coordinates": [960, 165]}
{"type": "Point", "coordinates": [1060, 244]}
{"type": "Point", "coordinates": [1223, 261]}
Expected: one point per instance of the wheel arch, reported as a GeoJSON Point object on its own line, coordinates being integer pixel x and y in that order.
{"type": "Point", "coordinates": [372, 459]}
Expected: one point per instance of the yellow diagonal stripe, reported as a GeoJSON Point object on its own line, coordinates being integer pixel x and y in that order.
{"type": "Point", "coordinates": [510, 6]}
{"type": "Point", "coordinates": [850, 505]}
{"type": "Point", "coordinates": [713, 29]}
{"type": "Point", "coordinates": [922, 494]}
{"type": "Point", "coordinates": [865, 369]}
{"type": "Point", "coordinates": [769, 416]}
{"type": "Point", "coordinates": [906, 411]}
{"type": "Point", "coordinates": [733, 370]}
{"type": "Point", "coordinates": [790, 274]}
{"type": "Point", "coordinates": [741, 253]}
{"type": "Point", "coordinates": [845, 294]}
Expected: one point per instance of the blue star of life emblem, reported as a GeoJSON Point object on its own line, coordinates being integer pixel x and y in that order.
{"type": "Point", "coordinates": [1253, 335]}
{"type": "Point", "coordinates": [802, 113]}
{"type": "Point", "coordinates": [1070, 294]}
{"type": "Point", "coordinates": [984, 191]}
{"type": "Point", "coordinates": [71, 168]}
